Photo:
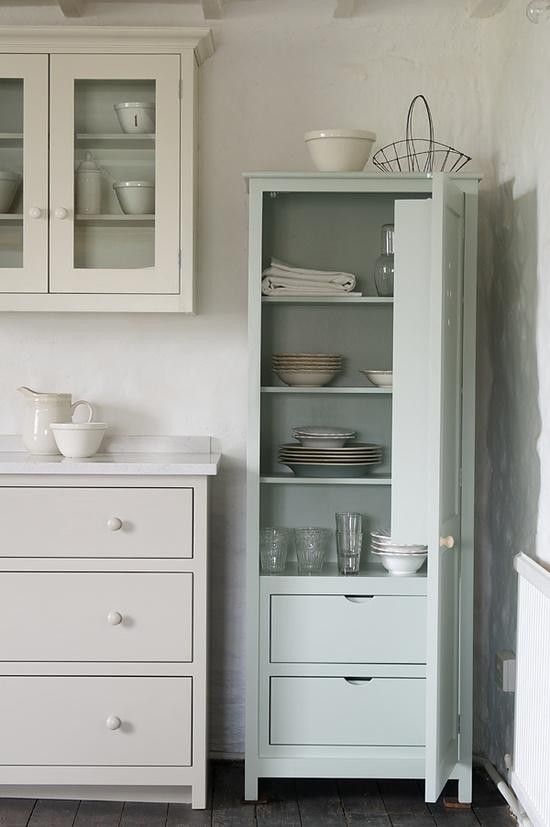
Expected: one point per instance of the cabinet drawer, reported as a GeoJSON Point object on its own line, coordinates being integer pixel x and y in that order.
{"type": "Point", "coordinates": [68, 721]}
{"type": "Point", "coordinates": [347, 712]}
{"type": "Point", "coordinates": [339, 629]}
{"type": "Point", "coordinates": [97, 522]}
{"type": "Point", "coordinates": [93, 616]}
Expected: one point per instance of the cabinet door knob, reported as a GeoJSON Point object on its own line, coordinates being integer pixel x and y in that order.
{"type": "Point", "coordinates": [447, 542]}
{"type": "Point", "coordinates": [61, 213]}
{"type": "Point", "coordinates": [113, 722]}
{"type": "Point", "coordinates": [35, 212]}
{"type": "Point", "coordinates": [114, 618]}
{"type": "Point", "coordinates": [114, 523]}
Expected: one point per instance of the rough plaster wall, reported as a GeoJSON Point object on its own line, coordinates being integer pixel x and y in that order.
{"type": "Point", "coordinates": [514, 369]}
{"type": "Point", "coordinates": [281, 67]}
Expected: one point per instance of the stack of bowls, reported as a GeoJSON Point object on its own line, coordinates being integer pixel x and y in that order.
{"type": "Point", "coordinates": [322, 436]}
{"type": "Point", "coordinates": [397, 558]}
{"type": "Point", "coordinates": [311, 370]}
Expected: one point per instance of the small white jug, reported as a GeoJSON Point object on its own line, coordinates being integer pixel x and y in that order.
{"type": "Point", "coordinates": [41, 409]}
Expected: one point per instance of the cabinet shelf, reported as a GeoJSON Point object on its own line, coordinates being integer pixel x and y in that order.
{"type": "Point", "coordinates": [127, 220]}
{"type": "Point", "coordinates": [326, 300]}
{"type": "Point", "coordinates": [329, 391]}
{"type": "Point", "coordinates": [11, 139]}
{"type": "Point", "coordinates": [8, 216]}
{"type": "Point", "coordinates": [286, 479]}
{"type": "Point", "coordinates": [116, 140]}
{"type": "Point", "coordinates": [330, 570]}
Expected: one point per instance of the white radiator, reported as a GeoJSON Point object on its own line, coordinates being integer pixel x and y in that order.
{"type": "Point", "coordinates": [531, 762]}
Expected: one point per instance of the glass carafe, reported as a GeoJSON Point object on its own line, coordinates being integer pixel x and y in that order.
{"type": "Point", "coordinates": [384, 267]}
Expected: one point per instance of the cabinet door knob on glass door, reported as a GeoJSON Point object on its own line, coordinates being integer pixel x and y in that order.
{"type": "Point", "coordinates": [447, 542]}
{"type": "Point", "coordinates": [61, 213]}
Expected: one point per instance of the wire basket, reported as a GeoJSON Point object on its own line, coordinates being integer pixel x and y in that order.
{"type": "Point", "coordinates": [419, 154]}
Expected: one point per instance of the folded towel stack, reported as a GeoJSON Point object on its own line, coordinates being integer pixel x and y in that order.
{"type": "Point", "coordinates": [280, 279]}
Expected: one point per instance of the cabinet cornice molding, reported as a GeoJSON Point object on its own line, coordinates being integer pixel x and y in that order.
{"type": "Point", "coordinates": [111, 38]}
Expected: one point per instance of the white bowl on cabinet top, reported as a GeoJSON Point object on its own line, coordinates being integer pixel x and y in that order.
{"type": "Point", "coordinates": [340, 150]}
{"type": "Point", "coordinates": [78, 439]}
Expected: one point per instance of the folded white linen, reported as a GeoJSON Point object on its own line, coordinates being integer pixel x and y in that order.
{"type": "Point", "coordinates": [281, 278]}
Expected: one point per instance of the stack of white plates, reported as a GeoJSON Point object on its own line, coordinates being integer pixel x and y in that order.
{"type": "Point", "coordinates": [352, 461]}
{"type": "Point", "coordinates": [307, 369]}
{"type": "Point", "coordinates": [397, 558]}
{"type": "Point", "coordinates": [322, 436]}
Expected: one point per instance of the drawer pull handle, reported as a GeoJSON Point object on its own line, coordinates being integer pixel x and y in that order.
{"type": "Point", "coordinates": [447, 542]}
{"type": "Point", "coordinates": [114, 524]}
{"type": "Point", "coordinates": [357, 681]}
{"type": "Point", "coordinates": [114, 618]}
{"type": "Point", "coordinates": [113, 722]}
{"type": "Point", "coordinates": [358, 598]}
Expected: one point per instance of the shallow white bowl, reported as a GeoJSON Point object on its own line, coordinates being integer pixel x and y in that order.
{"type": "Point", "coordinates": [402, 564]}
{"type": "Point", "coordinates": [306, 378]}
{"type": "Point", "coordinates": [136, 116]}
{"type": "Point", "coordinates": [135, 197]}
{"type": "Point", "coordinates": [9, 184]}
{"type": "Point", "coordinates": [78, 439]}
{"type": "Point", "coordinates": [339, 150]}
{"type": "Point", "coordinates": [380, 378]}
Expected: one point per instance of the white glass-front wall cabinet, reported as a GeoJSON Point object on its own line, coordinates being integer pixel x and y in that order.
{"type": "Point", "coordinates": [369, 675]}
{"type": "Point", "coordinates": [73, 234]}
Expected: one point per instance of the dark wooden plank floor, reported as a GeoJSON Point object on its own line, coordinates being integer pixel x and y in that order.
{"type": "Point", "coordinates": [284, 803]}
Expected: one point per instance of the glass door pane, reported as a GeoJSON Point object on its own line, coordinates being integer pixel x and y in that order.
{"type": "Point", "coordinates": [11, 173]}
{"type": "Point", "coordinates": [23, 171]}
{"type": "Point", "coordinates": [114, 174]}
{"type": "Point", "coordinates": [115, 226]}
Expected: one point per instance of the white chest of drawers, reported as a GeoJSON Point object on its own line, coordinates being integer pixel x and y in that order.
{"type": "Point", "coordinates": [103, 612]}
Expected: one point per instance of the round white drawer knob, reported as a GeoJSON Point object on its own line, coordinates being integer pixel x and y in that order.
{"type": "Point", "coordinates": [35, 212]}
{"type": "Point", "coordinates": [113, 722]}
{"type": "Point", "coordinates": [447, 542]}
{"type": "Point", "coordinates": [61, 213]}
{"type": "Point", "coordinates": [114, 618]}
{"type": "Point", "coordinates": [114, 524]}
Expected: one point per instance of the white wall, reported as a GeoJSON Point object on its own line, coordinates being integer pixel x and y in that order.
{"type": "Point", "coordinates": [514, 343]}
{"type": "Point", "coordinates": [281, 67]}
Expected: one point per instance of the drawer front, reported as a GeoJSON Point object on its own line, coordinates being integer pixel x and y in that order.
{"type": "Point", "coordinates": [96, 721]}
{"type": "Point", "coordinates": [93, 616]}
{"type": "Point", "coordinates": [347, 711]}
{"type": "Point", "coordinates": [339, 629]}
{"type": "Point", "coordinates": [97, 522]}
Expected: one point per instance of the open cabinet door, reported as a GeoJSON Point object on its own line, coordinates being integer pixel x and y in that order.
{"type": "Point", "coordinates": [444, 485]}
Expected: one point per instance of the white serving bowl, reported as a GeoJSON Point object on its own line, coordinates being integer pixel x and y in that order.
{"type": "Point", "coordinates": [340, 150]}
{"type": "Point", "coordinates": [136, 116]}
{"type": "Point", "coordinates": [380, 378]}
{"type": "Point", "coordinates": [9, 184]}
{"type": "Point", "coordinates": [78, 439]}
{"type": "Point", "coordinates": [306, 378]}
{"type": "Point", "coordinates": [135, 197]}
{"type": "Point", "coordinates": [401, 565]}
{"type": "Point", "coordinates": [324, 442]}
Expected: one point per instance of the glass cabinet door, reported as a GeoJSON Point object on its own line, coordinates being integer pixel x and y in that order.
{"type": "Point", "coordinates": [115, 174]}
{"type": "Point", "coordinates": [23, 173]}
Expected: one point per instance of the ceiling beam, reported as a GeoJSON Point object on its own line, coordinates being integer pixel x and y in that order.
{"type": "Point", "coordinates": [71, 8]}
{"type": "Point", "coordinates": [212, 9]}
{"type": "Point", "coordinates": [344, 8]}
{"type": "Point", "coordinates": [486, 8]}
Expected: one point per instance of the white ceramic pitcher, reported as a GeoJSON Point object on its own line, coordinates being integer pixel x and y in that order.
{"type": "Point", "coordinates": [41, 409]}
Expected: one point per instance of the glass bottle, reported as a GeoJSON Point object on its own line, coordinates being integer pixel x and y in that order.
{"type": "Point", "coordinates": [88, 186]}
{"type": "Point", "coordinates": [384, 269]}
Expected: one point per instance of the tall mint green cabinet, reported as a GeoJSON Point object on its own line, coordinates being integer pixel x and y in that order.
{"type": "Point", "coordinates": [367, 676]}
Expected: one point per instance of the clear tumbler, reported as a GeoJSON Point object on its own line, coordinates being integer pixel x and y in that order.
{"type": "Point", "coordinates": [274, 545]}
{"type": "Point", "coordinates": [349, 537]}
{"type": "Point", "coordinates": [311, 548]}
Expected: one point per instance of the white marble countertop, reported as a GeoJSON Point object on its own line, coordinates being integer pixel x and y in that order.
{"type": "Point", "coordinates": [162, 456]}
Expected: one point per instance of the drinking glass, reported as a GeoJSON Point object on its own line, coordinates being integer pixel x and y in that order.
{"type": "Point", "coordinates": [274, 544]}
{"type": "Point", "coordinates": [348, 547]}
{"type": "Point", "coordinates": [349, 521]}
{"type": "Point", "coordinates": [311, 548]}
